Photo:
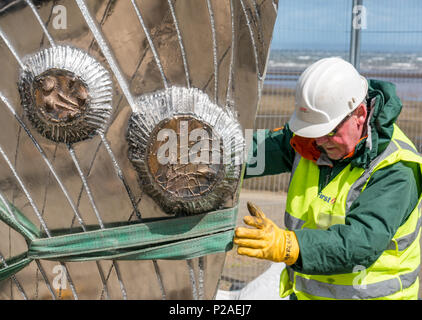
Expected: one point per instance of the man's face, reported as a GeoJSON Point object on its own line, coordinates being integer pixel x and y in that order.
{"type": "Point", "coordinates": [346, 138]}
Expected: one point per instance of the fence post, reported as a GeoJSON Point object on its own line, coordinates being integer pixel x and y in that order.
{"type": "Point", "coordinates": [358, 17]}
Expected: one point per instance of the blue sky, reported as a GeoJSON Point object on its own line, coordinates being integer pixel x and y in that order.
{"type": "Point", "coordinates": [391, 25]}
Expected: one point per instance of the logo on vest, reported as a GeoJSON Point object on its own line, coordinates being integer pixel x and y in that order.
{"type": "Point", "coordinates": [327, 199]}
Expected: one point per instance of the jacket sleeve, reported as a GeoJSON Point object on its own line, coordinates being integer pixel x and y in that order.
{"type": "Point", "coordinates": [270, 153]}
{"type": "Point", "coordinates": [385, 204]}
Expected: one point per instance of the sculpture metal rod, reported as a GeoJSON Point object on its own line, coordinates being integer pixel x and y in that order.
{"type": "Point", "coordinates": [103, 280]}
{"type": "Point", "coordinates": [85, 184]}
{"type": "Point", "coordinates": [15, 281]}
{"type": "Point", "coordinates": [119, 278]}
{"type": "Point", "coordinates": [119, 173]}
{"type": "Point", "coordinates": [9, 5]}
{"type": "Point", "coordinates": [47, 282]}
{"type": "Point", "coordinates": [49, 173]}
{"type": "Point", "coordinates": [182, 48]}
{"type": "Point", "coordinates": [34, 10]}
{"type": "Point", "coordinates": [107, 52]}
{"type": "Point", "coordinates": [103, 19]}
{"type": "Point", "coordinates": [69, 279]}
{"type": "Point", "coordinates": [88, 173]}
{"type": "Point", "coordinates": [11, 49]}
{"type": "Point", "coordinates": [214, 50]}
{"type": "Point", "coordinates": [201, 276]}
{"type": "Point", "coordinates": [248, 23]}
{"type": "Point", "coordinates": [219, 62]}
{"type": "Point", "coordinates": [192, 279]}
{"type": "Point", "coordinates": [159, 278]}
{"type": "Point", "coordinates": [151, 44]}
{"type": "Point", "coordinates": [275, 6]}
{"type": "Point", "coordinates": [230, 80]}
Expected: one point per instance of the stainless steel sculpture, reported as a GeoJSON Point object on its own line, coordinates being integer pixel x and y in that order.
{"type": "Point", "coordinates": [80, 93]}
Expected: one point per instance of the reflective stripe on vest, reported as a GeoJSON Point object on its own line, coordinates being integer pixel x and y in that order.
{"type": "Point", "coordinates": [291, 222]}
{"type": "Point", "coordinates": [363, 291]}
{"type": "Point", "coordinates": [404, 242]}
{"type": "Point", "coordinates": [356, 188]}
{"type": "Point", "coordinates": [294, 165]}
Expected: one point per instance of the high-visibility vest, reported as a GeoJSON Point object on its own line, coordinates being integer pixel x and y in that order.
{"type": "Point", "coordinates": [394, 275]}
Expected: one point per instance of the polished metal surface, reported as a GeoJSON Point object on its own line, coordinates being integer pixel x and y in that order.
{"type": "Point", "coordinates": [65, 178]}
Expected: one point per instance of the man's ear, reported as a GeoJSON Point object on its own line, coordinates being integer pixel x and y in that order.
{"type": "Point", "coordinates": [361, 114]}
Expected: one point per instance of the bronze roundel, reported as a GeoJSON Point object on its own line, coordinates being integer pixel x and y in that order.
{"type": "Point", "coordinates": [190, 171]}
{"type": "Point", "coordinates": [186, 149]}
{"type": "Point", "coordinates": [59, 95]}
{"type": "Point", "coordinates": [66, 94]}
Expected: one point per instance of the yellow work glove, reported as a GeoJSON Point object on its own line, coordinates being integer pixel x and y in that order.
{"type": "Point", "coordinates": [266, 241]}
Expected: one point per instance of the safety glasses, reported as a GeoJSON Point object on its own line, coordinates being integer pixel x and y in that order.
{"type": "Point", "coordinates": [334, 131]}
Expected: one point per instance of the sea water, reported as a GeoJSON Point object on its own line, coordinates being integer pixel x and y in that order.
{"type": "Point", "coordinates": [404, 69]}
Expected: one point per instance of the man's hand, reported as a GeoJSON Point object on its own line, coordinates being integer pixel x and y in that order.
{"type": "Point", "coordinates": [266, 240]}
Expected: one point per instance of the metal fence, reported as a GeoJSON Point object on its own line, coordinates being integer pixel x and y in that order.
{"type": "Point", "coordinates": [381, 38]}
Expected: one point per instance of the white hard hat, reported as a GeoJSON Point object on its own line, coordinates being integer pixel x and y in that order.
{"type": "Point", "coordinates": [326, 92]}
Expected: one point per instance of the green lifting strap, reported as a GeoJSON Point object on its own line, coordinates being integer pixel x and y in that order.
{"type": "Point", "coordinates": [164, 238]}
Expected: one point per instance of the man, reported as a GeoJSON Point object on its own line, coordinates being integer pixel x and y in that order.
{"type": "Point", "coordinates": [352, 210]}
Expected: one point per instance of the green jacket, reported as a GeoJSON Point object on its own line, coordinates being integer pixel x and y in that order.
{"type": "Point", "coordinates": [391, 195]}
